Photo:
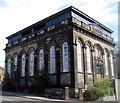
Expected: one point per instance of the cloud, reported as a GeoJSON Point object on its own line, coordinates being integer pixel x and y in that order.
{"type": "Point", "coordinates": [100, 10]}
{"type": "Point", "coordinates": [2, 3]}
{"type": "Point", "coordinates": [18, 14]}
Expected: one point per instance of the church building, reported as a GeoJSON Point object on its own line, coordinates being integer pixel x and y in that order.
{"type": "Point", "coordinates": [71, 46]}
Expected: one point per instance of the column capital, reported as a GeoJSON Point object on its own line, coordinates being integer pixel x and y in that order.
{"type": "Point", "coordinates": [84, 47]}
{"type": "Point", "coordinates": [35, 55]}
{"type": "Point", "coordinates": [5, 61]}
{"type": "Point", "coordinates": [114, 57]}
{"type": "Point", "coordinates": [92, 50]}
{"type": "Point", "coordinates": [108, 55]}
{"type": "Point", "coordinates": [75, 44]}
{"type": "Point", "coordinates": [102, 53]}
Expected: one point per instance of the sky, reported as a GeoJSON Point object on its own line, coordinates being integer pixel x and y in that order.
{"type": "Point", "coordinates": [18, 14]}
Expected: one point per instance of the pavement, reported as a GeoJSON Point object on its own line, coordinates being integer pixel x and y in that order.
{"type": "Point", "coordinates": [33, 97]}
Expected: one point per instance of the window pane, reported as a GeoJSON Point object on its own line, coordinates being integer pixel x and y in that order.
{"type": "Point", "coordinates": [9, 66]}
{"type": "Point", "coordinates": [41, 59]}
{"type": "Point", "coordinates": [88, 60]}
{"type": "Point", "coordinates": [31, 64]}
{"type": "Point", "coordinates": [65, 56]}
{"type": "Point", "coordinates": [112, 64]}
{"type": "Point", "coordinates": [79, 56]}
{"type": "Point", "coordinates": [52, 59]}
{"type": "Point", "coordinates": [96, 52]}
{"type": "Point", "coordinates": [15, 62]}
{"type": "Point", "coordinates": [106, 62]}
{"type": "Point", "coordinates": [23, 66]}
{"type": "Point", "coordinates": [98, 69]}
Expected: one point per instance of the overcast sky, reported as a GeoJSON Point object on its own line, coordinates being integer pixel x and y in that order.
{"type": "Point", "coordinates": [18, 14]}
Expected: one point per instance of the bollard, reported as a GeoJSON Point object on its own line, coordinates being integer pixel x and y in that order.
{"type": "Point", "coordinates": [66, 93]}
{"type": "Point", "coordinates": [80, 94]}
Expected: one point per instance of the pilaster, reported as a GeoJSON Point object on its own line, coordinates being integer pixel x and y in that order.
{"type": "Point", "coordinates": [93, 65]}
{"type": "Point", "coordinates": [85, 65]}
{"type": "Point", "coordinates": [75, 67]}
{"type": "Point", "coordinates": [104, 69]}
{"type": "Point", "coordinates": [109, 65]}
{"type": "Point", "coordinates": [26, 70]}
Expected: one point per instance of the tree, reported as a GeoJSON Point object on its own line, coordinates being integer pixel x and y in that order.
{"type": "Point", "coordinates": [7, 83]}
{"type": "Point", "coordinates": [41, 81]}
{"type": "Point", "coordinates": [102, 88]}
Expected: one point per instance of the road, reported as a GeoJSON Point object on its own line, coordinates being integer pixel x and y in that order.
{"type": "Point", "coordinates": [6, 97]}
{"type": "Point", "coordinates": [9, 98]}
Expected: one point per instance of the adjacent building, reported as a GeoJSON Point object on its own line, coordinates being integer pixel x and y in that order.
{"type": "Point", "coordinates": [2, 73]}
{"type": "Point", "coordinates": [71, 46]}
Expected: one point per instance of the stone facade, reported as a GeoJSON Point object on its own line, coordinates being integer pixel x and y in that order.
{"type": "Point", "coordinates": [2, 73]}
{"type": "Point", "coordinates": [75, 66]}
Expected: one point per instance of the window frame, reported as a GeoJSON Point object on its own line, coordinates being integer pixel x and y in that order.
{"type": "Point", "coordinates": [31, 63]}
{"type": "Point", "coordinates": [65, 63]}
{"type": "Point", "coordinates": [15, 62]}
{"type": "Point", "coordinates": [52, 59]}
{"type": "Point", "coordinates": [106, 63]}
{"type": "Point", "coordinates": [23, 69]}
{"type": "Point", "coordinates": [41, 60]}
{"type": "Point", "coordinates": [112, 64]}
{"type": "Point", "coordinates": [79, 61]}
{"type": "Point", "coordinates": [89, 58]}
{"type": "Point", "coordinates": [9, 66]}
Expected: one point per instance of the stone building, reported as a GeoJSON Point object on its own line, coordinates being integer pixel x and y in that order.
{"type": "Point", "coordinates": [2, 73]}
{"type": "Point", "coordinates": [71, 46]}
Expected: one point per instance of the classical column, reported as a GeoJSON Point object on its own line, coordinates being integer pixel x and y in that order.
{"type": "Point", "coordinates": [18, 71]}
{"type": "Point", "coordinates": [115, 66]}
{"type": "Point", "coordinates": [26, 70]}
{"type": "Point", "coordinates": [104, 71]}
{"type": "Point", "coordinates": [85, 65]}
{"type": "Point", "coordinates": [36, 63]}
{"type": "Point", "coordinates": [75, 67]}
{"type": "Point", "coordinates": [6, 63]}
{"type": "Point", "coordinates": [93, 65]}
{"type": "Point", "coordinates": [109, 65]}
{"type": "Point", "coordinates": [58, 66]}
{"type": "Point", "coordinates": [12, 69]}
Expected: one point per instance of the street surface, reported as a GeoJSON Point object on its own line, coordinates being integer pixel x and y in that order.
{"type": "Point", "coordinates": [6, 97]}
{"type": "Point", "coordinates": [11, 98]}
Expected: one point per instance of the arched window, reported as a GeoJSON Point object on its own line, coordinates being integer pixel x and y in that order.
{"type": "Point", "coordinates": [79, 57]}
{"type": "Point", "coordinates": [41, 59]}
{"type": "Point", "coordinates": [89, 69]}
{"type": "Point", "coordinates": [106, 62]}
{"type": "Point", "coordinates": [31, 64]}
{"type": "Point", "coordinates": [9, 66]}
{"type": "Point", "coordinates": [15, 62]}
{"type": "Point", "coordinates": [96, 52]}
{"type": "Point", "coordinates": [52, 60]}
{"type": "Point", "coordinates": [111, 64]}
{"type": "Point", "coordinates": [65, 56]}
{"type": "Point", "coordinates": [23, 66]}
